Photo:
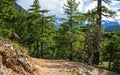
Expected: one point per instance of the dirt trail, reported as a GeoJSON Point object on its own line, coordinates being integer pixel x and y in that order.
{"type": "Point", "coordinates": [62, 67]}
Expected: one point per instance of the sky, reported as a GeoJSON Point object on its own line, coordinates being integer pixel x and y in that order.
{"type": "Point", "coordinates": [55, 6]}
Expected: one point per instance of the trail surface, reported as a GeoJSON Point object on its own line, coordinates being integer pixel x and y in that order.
{"type": "Point", "coordinates": [62, 67]}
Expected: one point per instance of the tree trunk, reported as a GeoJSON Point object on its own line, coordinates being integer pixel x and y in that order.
{"type": "Point", "coordinates": [110, 61]}
{"type": "Point", "coordinates": [97, 35]}
{"type": "Point", "coordinates": [42, 43]}
{"type": "Point", "coordinates": [37, 47]}
{"type": "Point", "coordinates": [96, 58]}
{"type": "Point", "coordinates": [71, 52]}
{"type": "Point", "coordinates": [41, 52]}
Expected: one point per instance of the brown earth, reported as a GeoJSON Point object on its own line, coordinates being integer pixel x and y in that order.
{"type": "Point", "coordinates": [62, 67]}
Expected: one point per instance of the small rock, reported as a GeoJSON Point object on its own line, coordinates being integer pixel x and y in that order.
{"type": "Point", "coordinates": [84, 73]}
{"type": "Point", "coordinates": [19, 52]}
{"type": "Point", "coordinates": [2, 70]}
{"type": "Point", "coordinates": [67, 70]}
{"type": "Point", "coordinates": [9, 46]}
{"type": "Point", "coordinates": [1, 65]}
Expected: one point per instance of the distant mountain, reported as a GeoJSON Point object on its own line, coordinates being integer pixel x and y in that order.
{"type": "Point", "coordinates": [19, 7]}
{"type": "Point", "coordinates": [110, 26]}
{"type": "Point", "coordinates": [107, 23]}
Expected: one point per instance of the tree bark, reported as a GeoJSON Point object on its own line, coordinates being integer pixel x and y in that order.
{"type": "Point", "coordinates": [41, 52]}
{"type": "Point", "coordinates": [71, 52]}
{"type": "Point", "coordinates": [110, 61]}
{"type": "Point", "coordinates": [37, 47]}
{"type": "Point", "coordinates": [42, 43]}
{"type": "Point", "coordinates": [97, 35]}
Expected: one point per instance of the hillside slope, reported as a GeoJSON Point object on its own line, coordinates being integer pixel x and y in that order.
{"type": "Point", "coordinates": [14, 61]}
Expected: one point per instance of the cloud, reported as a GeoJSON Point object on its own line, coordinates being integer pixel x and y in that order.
{"type": "Point", "coordinates": [113, 3]}
{"type": "Point", "coordinates": [56, 6]}
{"type": "Point", "coordinates": [25, 3]}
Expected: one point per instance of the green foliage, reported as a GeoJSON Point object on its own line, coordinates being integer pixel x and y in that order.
{"type": "Point", "coordinates": [104, 66]}
{"type": "Point", "coordinates": [41, 29]}
{"type": "Point", "coordinates": [64, 38]}
{"type": "Point", "coordinates": [6, 16]}
{"type": "Point", "coordinates": [11, 19]}
{"type": "Point", "coordinates": [112, 51]}
{"type": "Point", "coordinates": [69, 39]}
{"type": "Point", "coordinates": [16, 45]}
{"type": "Point", "coordinates": [107, 11]}
{"type": "Point", "coordinates": [93, 32]}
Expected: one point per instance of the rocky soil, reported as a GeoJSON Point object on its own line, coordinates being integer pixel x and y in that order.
{"type": "Point", "coordinates": [13, 60]}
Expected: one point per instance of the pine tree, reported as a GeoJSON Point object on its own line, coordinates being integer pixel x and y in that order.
{"type": "Point", "coordinates": [89, 34]}
{"type": "Point", "coordinates": [70, 32]}
{"type": "Point", "coordinates": [41, 25]}
{"type": "Point", "coordinates": [7, 15]}
{"type": "Point", "coordinates": [111, 52]}
{"type": "Point", "coordinates": [98, 28]}
{"type": "Point", "coordinates": [97, 33]}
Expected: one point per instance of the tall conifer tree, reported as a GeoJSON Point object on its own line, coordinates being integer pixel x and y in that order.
{"type": "Point", "coordinates": [41, 25]}
{"type": "Point", "coordinates": [96, 14]}
{"type": "Point", "coordinates": [70, 30]}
